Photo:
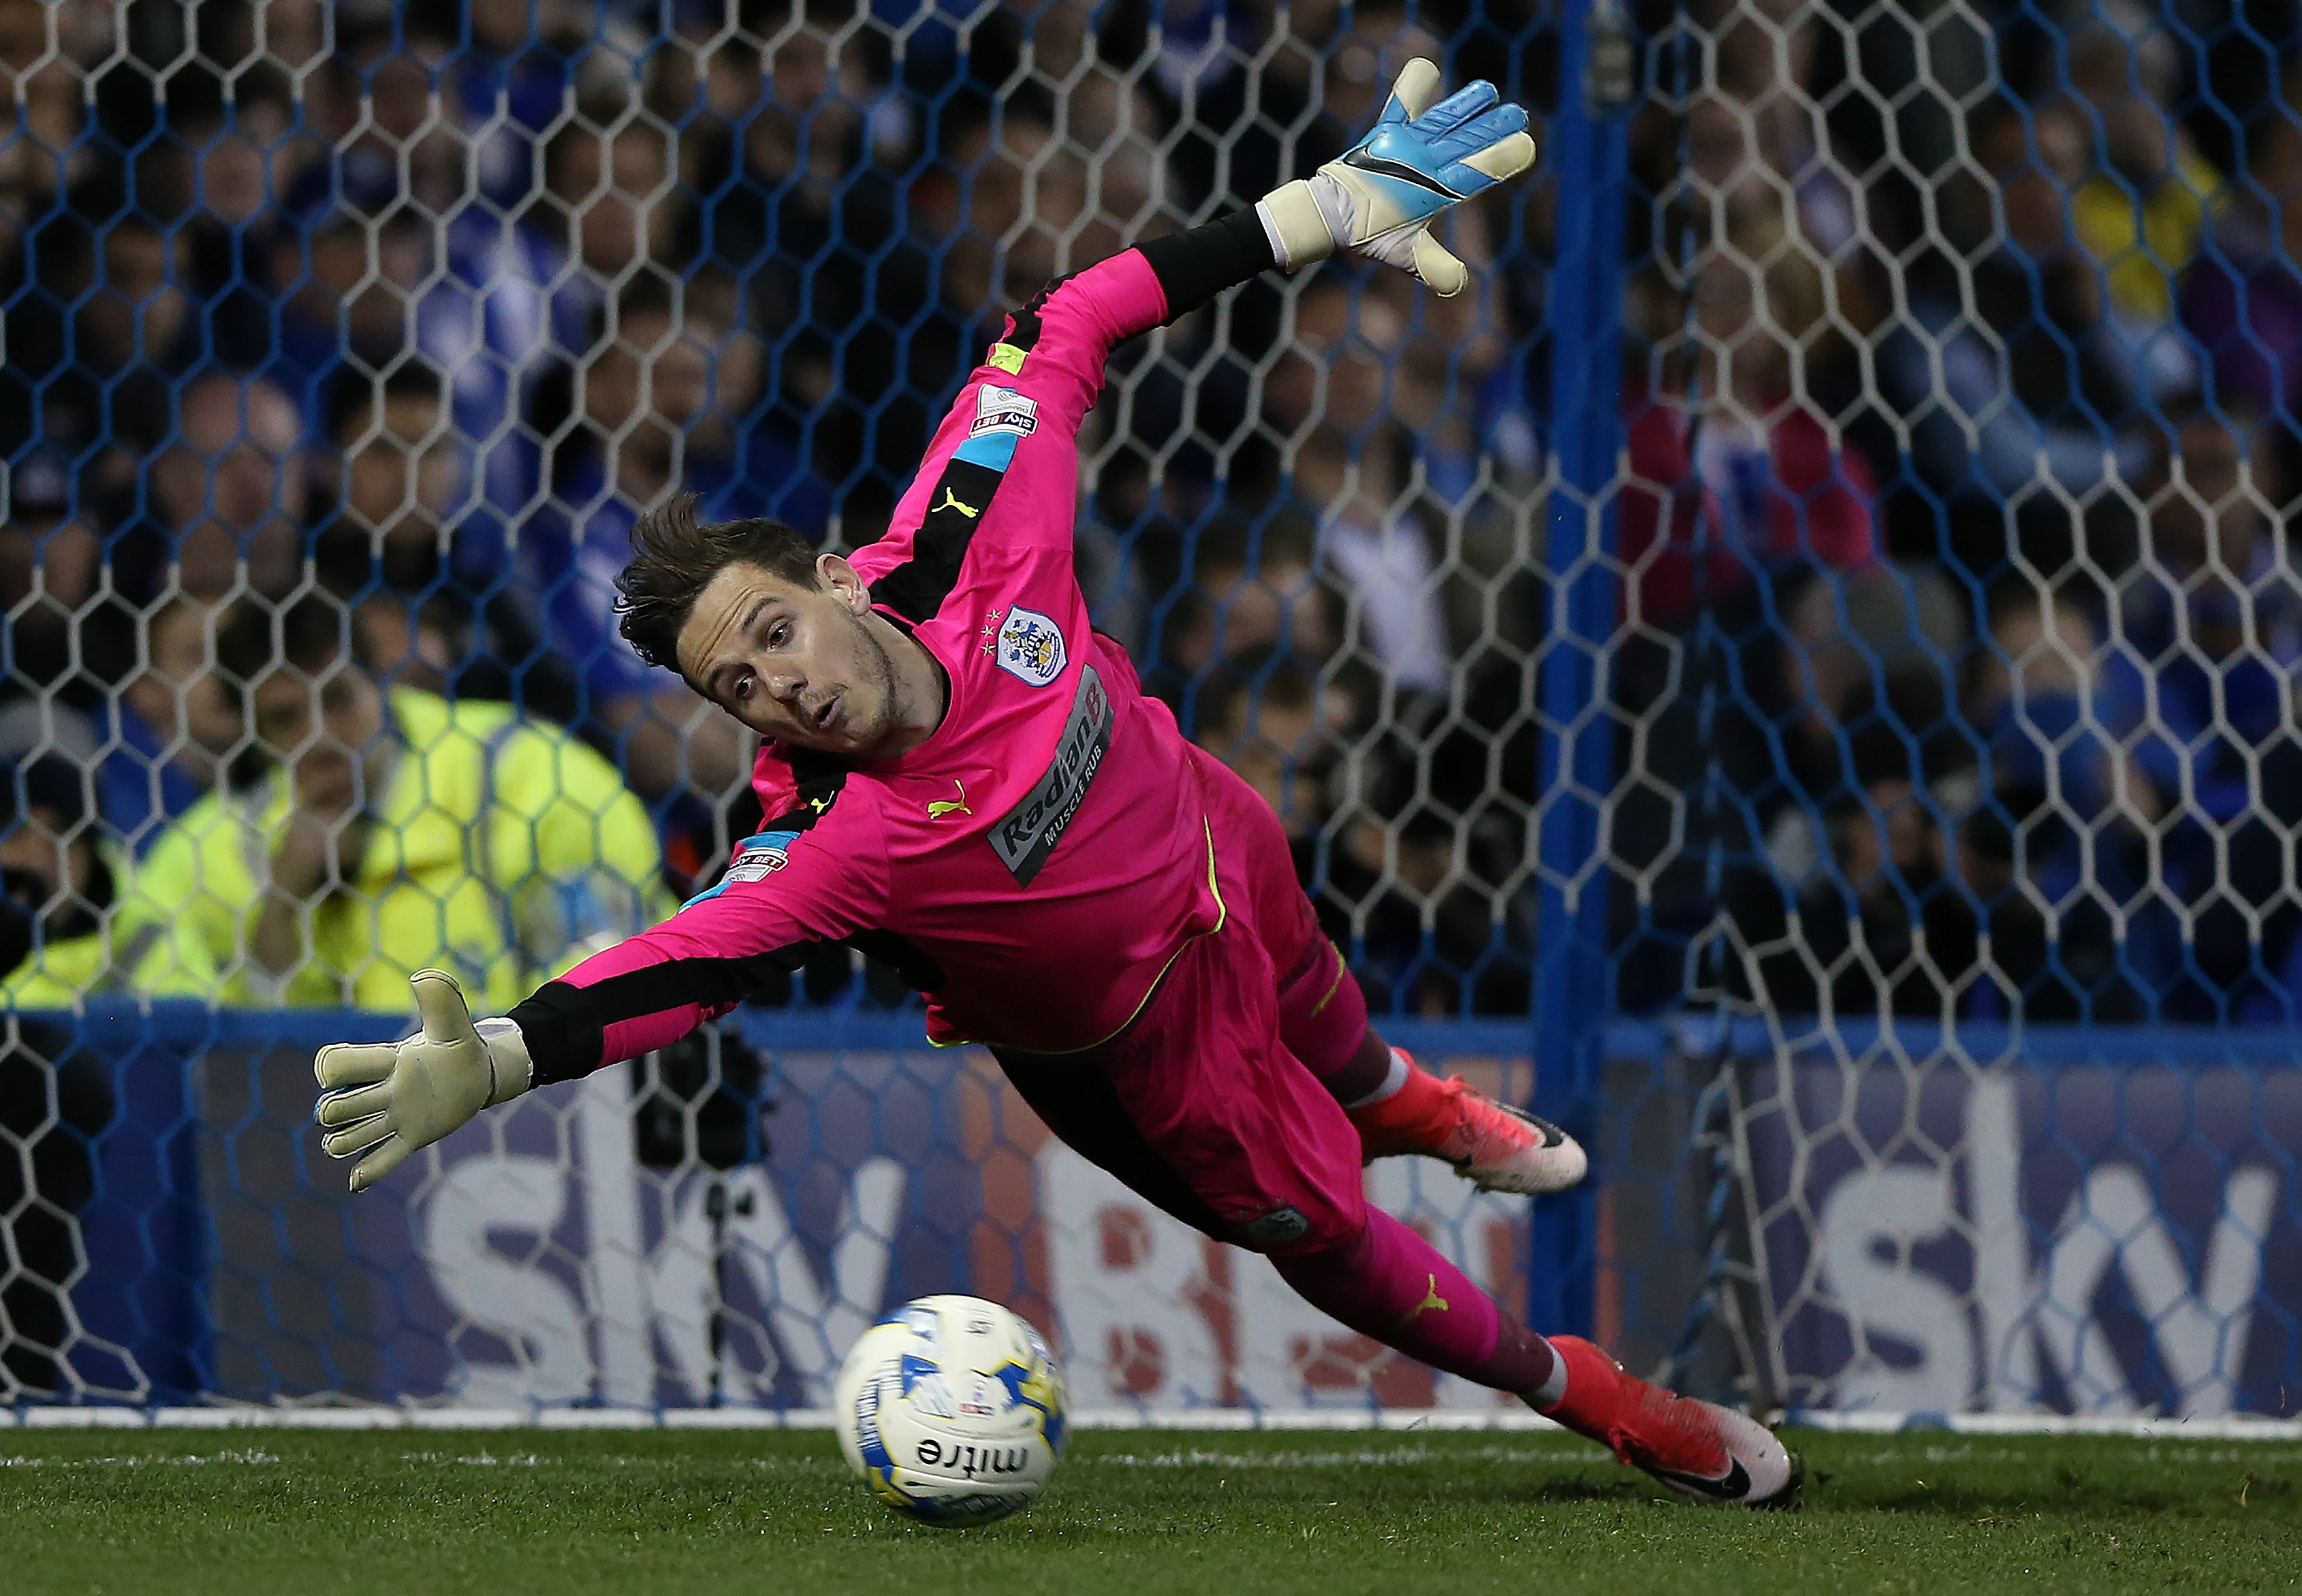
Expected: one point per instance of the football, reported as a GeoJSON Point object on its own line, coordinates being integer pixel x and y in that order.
{"type": "Point", "coordinates": [951, 1411]}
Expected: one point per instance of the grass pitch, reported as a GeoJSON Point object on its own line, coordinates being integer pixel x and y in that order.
{"type": "Point", "coordinates": [1139, 1513]}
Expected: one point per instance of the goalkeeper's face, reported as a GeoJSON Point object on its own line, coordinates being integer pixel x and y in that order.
{"type": "Point", "coordinates": [806, 667]}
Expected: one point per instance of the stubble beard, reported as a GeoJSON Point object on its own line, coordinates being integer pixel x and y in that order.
{"type": "Point", "coordinates": [883, 670]}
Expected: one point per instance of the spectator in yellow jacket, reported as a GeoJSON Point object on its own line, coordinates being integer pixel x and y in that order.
{"type": "Point", "coordinates": [396, 831]}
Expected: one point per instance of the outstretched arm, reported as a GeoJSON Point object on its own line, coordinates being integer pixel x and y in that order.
{"type": "Point", "coordinates": [1013, 428]}
{"type": "Point", "coordinates": [1379, 200]}
{"type": "Point", "coordinates": [813, 877]}
{"type": "Point", "coordinates": [1016, 420]}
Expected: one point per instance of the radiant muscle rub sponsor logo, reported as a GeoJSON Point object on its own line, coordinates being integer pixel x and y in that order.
{"type": "Point", "coordinates": [1029, 833]}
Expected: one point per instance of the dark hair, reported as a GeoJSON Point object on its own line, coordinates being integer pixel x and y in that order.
{"type": "Point", "coordinates": [51, 781]}
{"type": "Point", "coordinates": [1234, 694]}
{"type": "Point", "coordinates": [675, 556]}
{"type": "Point", "coordinates": [643, 297]}
{"type": "Point", "coordinates": [1231, 549]}
{"type": "Point", "coordinates": [353, 397]}
{"type": "Point", "coordinates": [307, 635]}
{"type": "Point", "coordinates": [1900, 730]}
{"type": "Point", "coordinates": [604, 112]}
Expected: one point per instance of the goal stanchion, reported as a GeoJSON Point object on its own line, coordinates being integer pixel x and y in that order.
{"type": "Point", "coordinates": [1586, 152]}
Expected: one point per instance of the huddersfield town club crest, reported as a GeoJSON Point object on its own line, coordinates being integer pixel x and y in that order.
{"type": "Point", "coordinates": [1031, 646]}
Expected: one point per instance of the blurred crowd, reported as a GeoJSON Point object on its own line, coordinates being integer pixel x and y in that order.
{"type": "Point", "coordinates": [346, 342]}
{"type": "Point", "coordinates": [1961, 620]}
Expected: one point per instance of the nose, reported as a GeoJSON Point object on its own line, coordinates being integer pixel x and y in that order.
{"type": "Point", "coordinates": [788, 684]}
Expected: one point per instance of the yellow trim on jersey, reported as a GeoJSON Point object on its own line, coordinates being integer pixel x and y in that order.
{"type": "Point", "coordinates": [1007, 358]}
{"type": "Point", "coordinates": [1223, 918]}
{"type": "Point", "coordinates": [1222, 911]}
{"type": "Point", "coordinates": [1335, 986]}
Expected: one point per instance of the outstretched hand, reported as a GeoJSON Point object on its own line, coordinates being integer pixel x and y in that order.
{"type": "Point", "coordinates": [1381, 198]}
{"type": "Point", "coordinates": [380, 1102]}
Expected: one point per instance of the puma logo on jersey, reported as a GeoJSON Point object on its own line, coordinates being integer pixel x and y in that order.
{"type": "Point", "coordinates": [937, 808]}
{"type": "Point", "coordinates": [1431, 1301]}
{"type": "Point", "coordinates": [951, 502]}
{"type": "Point", "coordinates": [819, 804]}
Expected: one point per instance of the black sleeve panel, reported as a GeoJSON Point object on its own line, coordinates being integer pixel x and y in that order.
{"type": "Point", "coordinates": [1193, 268]}
{"type": "Point", "coordinates": [565, 1026]}
{"type": "Point", "coordinates": [562, 1025]}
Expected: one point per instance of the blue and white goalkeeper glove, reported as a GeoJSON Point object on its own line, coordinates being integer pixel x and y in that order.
{"type": "Point", "coordinates": [381, 1102]}
{"type": "Point", "coordinates": [1381, 198]}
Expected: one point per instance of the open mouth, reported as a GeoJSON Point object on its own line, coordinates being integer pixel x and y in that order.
{"type": "Point", "coordinates": [825, 713]}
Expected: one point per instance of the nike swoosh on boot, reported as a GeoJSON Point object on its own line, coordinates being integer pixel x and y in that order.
{"type": "Point", "coordinates": [1733, 1488]}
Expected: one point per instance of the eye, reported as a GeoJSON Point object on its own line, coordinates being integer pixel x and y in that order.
{"type": "Point", "coordinates": [743, 686]}
{"type": "Point", "coordinates": [779, 634]}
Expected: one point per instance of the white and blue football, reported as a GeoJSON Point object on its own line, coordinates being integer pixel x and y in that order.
{"type": "Point", "coordinates": [951, 1410]}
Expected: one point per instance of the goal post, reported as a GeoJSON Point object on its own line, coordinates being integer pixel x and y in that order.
{"type": "Point", "coordinates": [1584, 151]}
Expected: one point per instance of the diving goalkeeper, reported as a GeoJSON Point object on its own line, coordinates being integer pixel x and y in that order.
{"type": "Point", "coordinates": [971, 786]}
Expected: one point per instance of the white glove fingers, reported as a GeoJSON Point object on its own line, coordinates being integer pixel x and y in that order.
{"type": "Point", "coordinates": [357, 1103]}
{"type": "Point", "coordinates": [354, 1064]}
{"type": "Point", "coordinates": [354, 1139]}
{"type": "Point", "coordinates": [1445, 275]}
{"type": "Point", "coordinates": [379, 1164]}
{"type": "Point", "coordinates": [1506, 158]}
{"type": "Point", "coordinates": [1411, 95]}
{"type": "Point", "coordinates": [439, 1004]}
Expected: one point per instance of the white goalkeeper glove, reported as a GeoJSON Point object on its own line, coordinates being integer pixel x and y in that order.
{"type": "Point", "coordinates": [386, 1099]}
{"type": "Point", "coordinates": [1381, 198]}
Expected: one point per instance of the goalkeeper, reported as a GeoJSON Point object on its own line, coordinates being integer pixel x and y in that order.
{"type": "Point", "coordinates": [971, 786]}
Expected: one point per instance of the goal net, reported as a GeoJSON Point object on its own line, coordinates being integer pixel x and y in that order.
{"type": "Point", "coordinates": [1956, 667]}
{"type": "Point", "coordinates": [1820, 602]}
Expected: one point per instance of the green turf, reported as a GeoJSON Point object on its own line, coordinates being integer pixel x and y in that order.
{"type": "Point", "coordinates": [1142, 1514]}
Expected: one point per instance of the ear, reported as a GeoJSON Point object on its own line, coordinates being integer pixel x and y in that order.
{"type": "Point", "coordinates": [844, 580]}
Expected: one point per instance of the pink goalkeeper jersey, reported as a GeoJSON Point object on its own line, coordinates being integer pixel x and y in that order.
{"type": "Point", "coordinates": [1035, 865]}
